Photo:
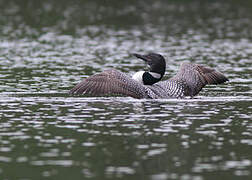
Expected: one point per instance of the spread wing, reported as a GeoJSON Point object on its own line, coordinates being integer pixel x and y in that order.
{"type": "Point", "coordinates": [110, 82]}
{"type": "Point", "coordinates": [197, 76]}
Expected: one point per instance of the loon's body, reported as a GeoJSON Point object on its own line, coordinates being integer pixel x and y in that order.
{"type": "Point", "coordinates": [189, 81]}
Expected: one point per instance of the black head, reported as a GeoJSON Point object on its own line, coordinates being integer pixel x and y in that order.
{"type": "Point", "coordinates": [155, 61]}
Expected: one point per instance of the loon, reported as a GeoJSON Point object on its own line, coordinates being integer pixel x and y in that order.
{"type": "Point", "coordinates": [188, 81]}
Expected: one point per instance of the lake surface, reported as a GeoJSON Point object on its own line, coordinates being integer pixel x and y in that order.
{"type": "Point", "coordinates": [48, 47]}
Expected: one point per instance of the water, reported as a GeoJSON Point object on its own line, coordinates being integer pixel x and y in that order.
{"type": "Point", "coordinates": [48, 47]}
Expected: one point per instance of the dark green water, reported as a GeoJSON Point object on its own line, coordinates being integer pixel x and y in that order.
{"type": "Point", "coordinates": [46, 47]}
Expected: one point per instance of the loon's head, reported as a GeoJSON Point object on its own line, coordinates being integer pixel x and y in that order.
{"type": "Point", "coordinates": [157, 66]}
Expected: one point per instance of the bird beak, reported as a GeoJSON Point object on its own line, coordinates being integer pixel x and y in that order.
{"type": "Point", "coordinates": [143, 57]}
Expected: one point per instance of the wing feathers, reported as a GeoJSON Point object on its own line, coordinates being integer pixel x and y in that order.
{"type": "Point", "coordinates": [109, 82]}
{"type": "Point", "coordinates": [212, 76]}
{"type": "Point", "coordinates": [197, 76]}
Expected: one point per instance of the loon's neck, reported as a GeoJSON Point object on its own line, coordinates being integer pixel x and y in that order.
{"type": "Point", "coordinates": [155, 75]}
{"type": "Point", "coordinates": [147, 78]}
{"type": "Point", "coordinates": [150, 78]}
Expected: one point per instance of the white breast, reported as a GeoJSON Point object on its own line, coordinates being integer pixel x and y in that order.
{"type": "Point", "coordinates": [138, 76]}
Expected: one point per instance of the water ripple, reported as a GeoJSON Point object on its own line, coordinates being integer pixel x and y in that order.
{"type": "Point", "coordinates": [42, 57]}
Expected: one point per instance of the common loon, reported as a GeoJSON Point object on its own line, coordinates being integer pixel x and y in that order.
{"type": "Point", "coordinates": [188, 81]}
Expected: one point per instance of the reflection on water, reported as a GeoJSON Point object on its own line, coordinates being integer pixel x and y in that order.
{"type": "Point", "coordinates": [44, 52]}
{"type": "Point", "coordinates": [118, 137]}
